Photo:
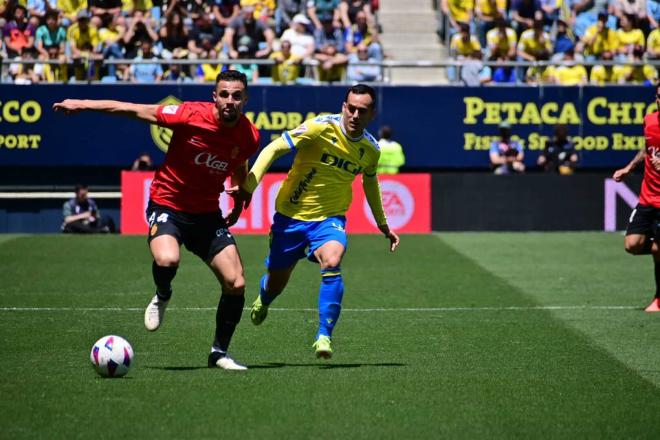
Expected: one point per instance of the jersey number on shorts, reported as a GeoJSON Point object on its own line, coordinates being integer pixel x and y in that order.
{"type": "Point", "coordinates": [160, 219]}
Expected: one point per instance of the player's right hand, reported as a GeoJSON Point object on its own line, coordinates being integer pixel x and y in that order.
{"type": "Point", "coordinates": [69, 106]}
{"type": "Point", "coordinates": [240, 196]}
{"type": "Point", "coordinates": [619, 175]}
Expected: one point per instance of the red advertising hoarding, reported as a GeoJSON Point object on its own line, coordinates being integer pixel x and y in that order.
{"type": "Point", "coordinates": [406, 199]}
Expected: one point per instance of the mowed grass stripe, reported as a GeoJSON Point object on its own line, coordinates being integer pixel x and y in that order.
{"type": "Point", "coordinates": [579, 269]}
{"type": "Point", "coordinates": [441, 374]}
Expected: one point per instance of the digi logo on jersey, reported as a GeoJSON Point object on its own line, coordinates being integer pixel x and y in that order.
{"type": "Point", "coordinates": [340, 163]}
{"type": "Point", "coordinates": [210, 161]}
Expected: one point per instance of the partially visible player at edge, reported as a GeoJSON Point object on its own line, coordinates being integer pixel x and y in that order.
{"type": "Point", "coordinates": [642, 233]}
{"type": "Point", "coordinates": [311, 203]}
{"type": "Point", "coordinates": [210, 141]}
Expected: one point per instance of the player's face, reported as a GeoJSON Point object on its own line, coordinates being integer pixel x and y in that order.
{"type": "Point", "coordinates": [357, 112]}
{"type": "Point", "coordinates": [230, 98]}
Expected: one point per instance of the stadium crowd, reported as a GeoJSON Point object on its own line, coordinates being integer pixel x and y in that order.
{"type": "Point", "coordinates": [557, 34]}
{"type": "Point", "coordinates": [78, 36]}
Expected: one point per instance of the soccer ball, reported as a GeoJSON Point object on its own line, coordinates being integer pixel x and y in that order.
{"type": "Point", "coordinates": [111, 356]}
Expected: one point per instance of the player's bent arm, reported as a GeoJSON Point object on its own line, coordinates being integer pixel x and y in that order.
{"type": "Point", "coordinates": [623, 172]}
{"type": "Point", "coordinates": [144, 112]}
{"type": "Point", "coordinates": [273, 151]}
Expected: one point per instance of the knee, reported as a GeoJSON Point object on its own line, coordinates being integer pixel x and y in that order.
{"type": "Point", "coordinates": [166, 259]}
{"type": "Point", "coordinates": [634, 247]}
{"type": "Point", "coordinates": [234, 285]}
{"type": "Point", "coordinates": [330, 262]}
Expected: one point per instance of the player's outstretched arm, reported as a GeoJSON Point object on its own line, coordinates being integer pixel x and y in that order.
{"type": "Point", "coordinates": [620, 174]}
{"type": "Point", "coordinates": [144, 112]}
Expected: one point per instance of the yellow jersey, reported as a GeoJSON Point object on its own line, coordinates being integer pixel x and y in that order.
{"type": "Point", "coordinates": [490, 8]}
{"type": "Point", "coordinates": [631, 37]}
{"type": "Point", "coordinates": [635, 74]}
{"type": "Point", "coordinates": [461, 9]}
{"type": "Point", "coordinates": [604, 41]}
{"type": "Point", "coordinates": [603, 74]}
{"type": "Point", "coordinates": [571, 75]}
{"type": "Point", "coordinates": [286, 72]}
{"type": "Point", "coordinates": [653, 42]}
{"type": "Point", "coordinates": [319, 183]}
{"type": "Point", "coordinates": [532, 45]}
{"type": "Point", "coordinates": [79, 38]}
{"type": "Point", "coordinates": [463, 48]}
{"type": "Point", "coordinates": [497, 42]}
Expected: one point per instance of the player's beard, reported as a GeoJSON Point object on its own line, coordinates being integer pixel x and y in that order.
{"type": "Point", "coordinates": [230, 115]}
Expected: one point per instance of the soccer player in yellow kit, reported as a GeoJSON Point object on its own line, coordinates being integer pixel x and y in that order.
{"type": "Point", "coordinates": [311, 204]}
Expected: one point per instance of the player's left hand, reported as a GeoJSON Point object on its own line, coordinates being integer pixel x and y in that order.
{"type": "Point", "coordinates": [69, 106]}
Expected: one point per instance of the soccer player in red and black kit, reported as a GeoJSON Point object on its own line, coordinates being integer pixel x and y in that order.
{"type": "Point", "coordinates": [642, 233]}
{"type": "Point", "coordinates": [210, 141]}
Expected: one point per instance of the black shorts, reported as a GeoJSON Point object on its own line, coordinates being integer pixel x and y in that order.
{"type": "Point", "coordinates": [644, 221]}
{"type": "Point", "coordinates": [205, 235]}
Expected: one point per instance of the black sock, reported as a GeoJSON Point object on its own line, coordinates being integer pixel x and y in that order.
{"type": "Point", "coordinates": [163, 277]}
{"type": "Point", "coordinates": [227, 318]}
{"type": "Point", "coordinates": [656, 267]}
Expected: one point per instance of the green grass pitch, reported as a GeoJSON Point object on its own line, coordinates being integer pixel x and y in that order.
{"type": "Point", "coordinates": [454, 335]}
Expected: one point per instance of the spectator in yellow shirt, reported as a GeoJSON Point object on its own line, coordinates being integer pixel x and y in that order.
{"type": "Point", "coordinates": [629, 35]}
{"type": "Point", "coordinates": [70, 9]}
{"type": "Point", "coordinates": [463, 43]}
{"type": "Point", "coordinates": [638, 74]}
{"type": "Point", "coordinates": [653, 44]}
{"type": "Point", "coordinates": [502, 40]}
{"type": "Point", "coordinates": [570, 73]}
{"type": "Point", "coordinates": [457, 11]}
{"type": "Point", "coordinates": [599, 38]}
{"type": "Point", "coordinates": [534, 42]}
{"type": "Point", "coordinates": [462, 46]}
{"type": "Point", "coordinates": [287, 65]}
{"type": "Point", "coordinates": [83, 41]}
{"type": "Point", "coordinates": [487, 12]}
{"type": "Point", "coordinates": [604, 74]}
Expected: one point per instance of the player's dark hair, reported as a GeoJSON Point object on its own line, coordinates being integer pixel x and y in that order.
{"type": "Point", "coordinates": [362, 89]}
{"type": "Point", "coordinates": [80, 186]}
{"type": "Point", "coordinates": [231, 75]}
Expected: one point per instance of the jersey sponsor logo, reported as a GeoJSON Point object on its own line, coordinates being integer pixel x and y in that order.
{"type": "Point", "coordinates": [211, 161]}
{"type": "Point", "coordinates": [300, 130]}
{"type": "Point", "coordinates": [170, 109]}
{"type": "Point", "coordinates": [342, 164]}
{"type": "Point", "coordinates": [302, 187]}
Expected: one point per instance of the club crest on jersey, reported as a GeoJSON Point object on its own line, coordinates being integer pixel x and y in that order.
{"type": "Point", "coordinates": [234, 151]}
{"type": "Point", "coordinates": [300, 130]}
{"type": "Point", "coordinates": [161, 135]}
{"type": "Point", "coordinates": [341, 163]}
{"type": "Point", "coordinates": [211, 161]}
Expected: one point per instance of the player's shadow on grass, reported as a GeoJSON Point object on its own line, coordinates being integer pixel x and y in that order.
{"type": "Point", "coordinates": [269, 365]}
{"type": "Point", "coordinates": [200, 367]}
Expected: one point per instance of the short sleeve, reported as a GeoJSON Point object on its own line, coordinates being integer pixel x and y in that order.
{"type": "Point", "coordinates": [494, 147]}
{"type": "Point", "coordinates": [171, 115]}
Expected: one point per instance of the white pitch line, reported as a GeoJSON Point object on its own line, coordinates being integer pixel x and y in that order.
{"type": "Point", "coordinates": [403, 309]}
